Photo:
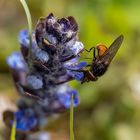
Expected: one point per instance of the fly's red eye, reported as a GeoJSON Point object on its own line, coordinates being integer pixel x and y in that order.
{"type": "Point", "coordinates": [101, 49]}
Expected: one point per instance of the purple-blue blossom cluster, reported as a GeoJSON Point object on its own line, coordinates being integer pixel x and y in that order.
{"type": "Point", "coordinates": [54, 60]}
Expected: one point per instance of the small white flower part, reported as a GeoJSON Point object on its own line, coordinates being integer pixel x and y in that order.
{"type": "Point", "coordinates": [77, 47]}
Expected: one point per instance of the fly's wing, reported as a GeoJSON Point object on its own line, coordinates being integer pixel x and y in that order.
{"type": "Point", "coordinates": [112, 50]}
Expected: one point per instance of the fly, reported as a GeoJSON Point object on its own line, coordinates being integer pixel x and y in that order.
{"type": "Point", "coordinates": [101, 61]}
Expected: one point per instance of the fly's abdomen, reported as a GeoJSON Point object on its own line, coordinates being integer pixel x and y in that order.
{"type": "Point", "coordinates": [98, 69]}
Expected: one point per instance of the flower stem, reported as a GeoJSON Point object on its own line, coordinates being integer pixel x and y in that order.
{"type": "Point", "coordinates": [13, 131]}
{"type": "Point", "coordinates": [71, 119]}
{"type": "Point", "coordinates": [29, 20]}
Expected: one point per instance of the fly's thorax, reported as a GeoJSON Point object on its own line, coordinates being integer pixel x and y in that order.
{"type": "Point", "coordinates": [101, 49]}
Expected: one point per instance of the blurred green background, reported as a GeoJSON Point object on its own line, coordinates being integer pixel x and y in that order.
{"type": "Point", "coordinates": [110, 107]}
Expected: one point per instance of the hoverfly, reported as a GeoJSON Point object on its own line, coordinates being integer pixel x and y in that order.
{"type": "Point", "coordinates": [102, 60]}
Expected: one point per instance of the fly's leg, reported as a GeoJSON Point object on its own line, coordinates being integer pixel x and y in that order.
{"type": "Point", "coordinates": [89, 49]}
{"type": "Point", "coordinates": [88, 76]}
{"type": "Point", "coordinates": [94, 52]}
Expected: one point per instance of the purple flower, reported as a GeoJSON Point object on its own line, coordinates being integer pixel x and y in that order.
{"type": "Point", "coordinates": [76, 48]}
{"type": "Point", "coordinates": [17, 67]}
{"type": "Point", "coordinates": [40, 56]}
{"type": "Point", "coordinates": [64, 93]}
{"type": "Point", "coordinates": [15, 61]}
{"type": "Point", "coordinates": [71, 50]}
{"type": "Point", "coordinates": [56, 31]}
{"type": "Point", "coordinates": [34, 82]}
{"type": "Point", "coordinates": [25, 42]}
{"type": "Point", "coordinates": [24, 39]}
{"type": "Point", "coordinates": [74, 68]}
{"type": "Point", "coordinates": [25, 120]}
{"type": "Point", "coordinates": [54, 60]}
{"type": "Point", "coordinates": [37, 55]}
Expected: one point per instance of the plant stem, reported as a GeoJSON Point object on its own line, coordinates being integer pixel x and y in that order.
{"type": "Point", "coordinates": [29, 20]}
{"type": "Point", "coordinates": [13, 131]}
{"type": "Point", "coordinates": [71, 119]}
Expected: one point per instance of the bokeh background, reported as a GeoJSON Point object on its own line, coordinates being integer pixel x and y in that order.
{"type": "Point", "coordinates": [110, 107]}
